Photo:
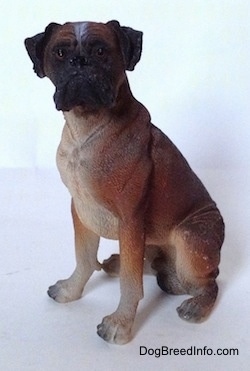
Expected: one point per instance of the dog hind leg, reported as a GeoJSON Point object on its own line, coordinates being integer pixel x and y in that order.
{"type": "Point", "coordinates": [112, 266]}
{"type": "Point", "coordinates": [198, 241]}
{"type": "Point", "coordinates": [166, 275]}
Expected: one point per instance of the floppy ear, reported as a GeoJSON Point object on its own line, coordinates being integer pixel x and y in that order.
{"type": "Point", "coordinates": [35, 47]}
{"type": "Point", "coordinates": [130, 42]}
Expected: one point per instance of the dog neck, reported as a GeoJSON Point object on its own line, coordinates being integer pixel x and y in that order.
{"type": "Point", "coordinates": [81, 126]}
{"type": "Point", "coordinates": [82, 123]}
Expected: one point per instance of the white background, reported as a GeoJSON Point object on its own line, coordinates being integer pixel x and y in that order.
{"type": "Point", "coordinates": [194, 78]}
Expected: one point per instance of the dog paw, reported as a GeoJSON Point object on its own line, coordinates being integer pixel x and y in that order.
{"type": "Point", "coordinates": [64, 291]}
{"type": "Point", "coordinates": [114, 330]}
{"type": "Point", "coordinates": [192, 311]}
{"type": "Point", "coordinates": [112, 265]}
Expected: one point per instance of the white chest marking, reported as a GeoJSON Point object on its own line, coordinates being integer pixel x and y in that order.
{"type": "Point", "coordinates": [72, 156]}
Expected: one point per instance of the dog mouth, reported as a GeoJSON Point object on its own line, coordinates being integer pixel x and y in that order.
{"type": "Point", "coordinates": [92, 93]}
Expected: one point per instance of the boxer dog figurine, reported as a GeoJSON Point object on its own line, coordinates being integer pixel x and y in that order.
{"type": "Point", "coordinates": [127, 179]}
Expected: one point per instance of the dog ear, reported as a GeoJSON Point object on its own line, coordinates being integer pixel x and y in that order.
{"type": "Point", "coordinates": [35, 47]}
{"type": "Point", "coordinates": [130, 42]}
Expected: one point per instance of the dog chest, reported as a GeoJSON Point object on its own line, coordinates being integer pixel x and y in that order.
{"type": "Point", "coordinates": [76, 166]}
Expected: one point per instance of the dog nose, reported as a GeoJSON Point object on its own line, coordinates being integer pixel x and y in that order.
{"type": "Point", "coordinates": [79, 61]}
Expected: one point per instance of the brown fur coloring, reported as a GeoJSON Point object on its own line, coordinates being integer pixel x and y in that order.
{"type": "Point", "coordinates": [127, 180]}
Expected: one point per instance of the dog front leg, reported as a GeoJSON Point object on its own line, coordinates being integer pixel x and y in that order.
{"type": "Point", "coordinates": [116, 328]}
{"type": "Point", "coordinates": [86, 246]}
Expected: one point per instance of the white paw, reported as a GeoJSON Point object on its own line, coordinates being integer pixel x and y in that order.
{"type": "Point", "coordinates": [64, 291]}
{"type": "Point", "coordinates": [115, 329]}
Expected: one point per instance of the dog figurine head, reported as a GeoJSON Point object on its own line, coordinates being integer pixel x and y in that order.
{"type": "Point", "coordinates": [86, 61]}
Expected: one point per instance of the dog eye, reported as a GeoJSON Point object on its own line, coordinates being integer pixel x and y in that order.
{"type": "Point", "coordinates": [60, 53]}
{"type": "Point", "coordinates": [100, 52]}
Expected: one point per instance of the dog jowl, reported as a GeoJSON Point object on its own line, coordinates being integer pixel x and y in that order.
{"type": "Point", "coordinates": [126, 178]}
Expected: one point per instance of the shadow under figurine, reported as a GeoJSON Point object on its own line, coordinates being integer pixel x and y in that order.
{"type": "Point", "coordinates": [127, 180]}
